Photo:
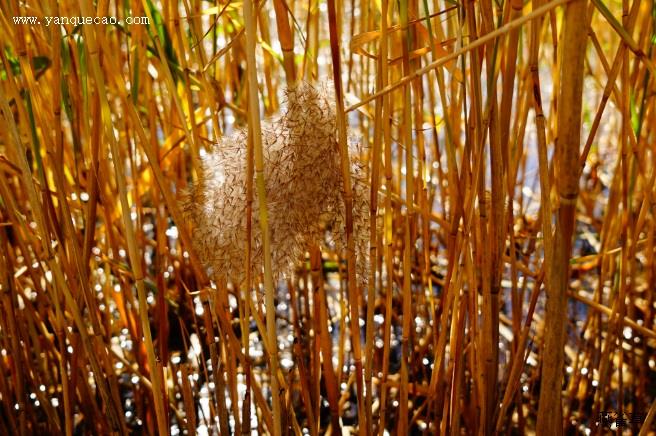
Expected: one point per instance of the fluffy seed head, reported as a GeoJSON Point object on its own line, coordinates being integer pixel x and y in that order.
{"type": "Point", "coordinates": [304, 191]}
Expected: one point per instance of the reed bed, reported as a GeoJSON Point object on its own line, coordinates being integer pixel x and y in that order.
{"type": "Point", "coordinates": [458, 239]}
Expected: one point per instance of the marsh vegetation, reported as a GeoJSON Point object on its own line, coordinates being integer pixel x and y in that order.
{"type": "Point", "coordinates": [308, 217]}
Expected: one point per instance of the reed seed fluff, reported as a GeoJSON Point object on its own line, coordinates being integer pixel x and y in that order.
{"type": "Point", "coordinates": [304, 191]}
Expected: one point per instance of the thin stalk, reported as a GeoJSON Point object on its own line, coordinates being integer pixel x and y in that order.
{"type": "Point", "coordinates": [353, 288]}
{"type": "Point", "coordinates": [256, 138]}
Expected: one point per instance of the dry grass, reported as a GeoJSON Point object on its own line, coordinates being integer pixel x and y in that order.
{"type": "Point", "coordinates": [482, 262]}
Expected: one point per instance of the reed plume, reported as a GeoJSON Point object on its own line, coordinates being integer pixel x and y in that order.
{"type": "Point", "coordinates": [304, 187]}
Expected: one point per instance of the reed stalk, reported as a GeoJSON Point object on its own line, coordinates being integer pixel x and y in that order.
{"type": "Point", "coordinates": [353, 285]}
{"type": "Point", "coordinates": [574, 39]}
{"type": "Point", "coordinates": [256, 138]}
